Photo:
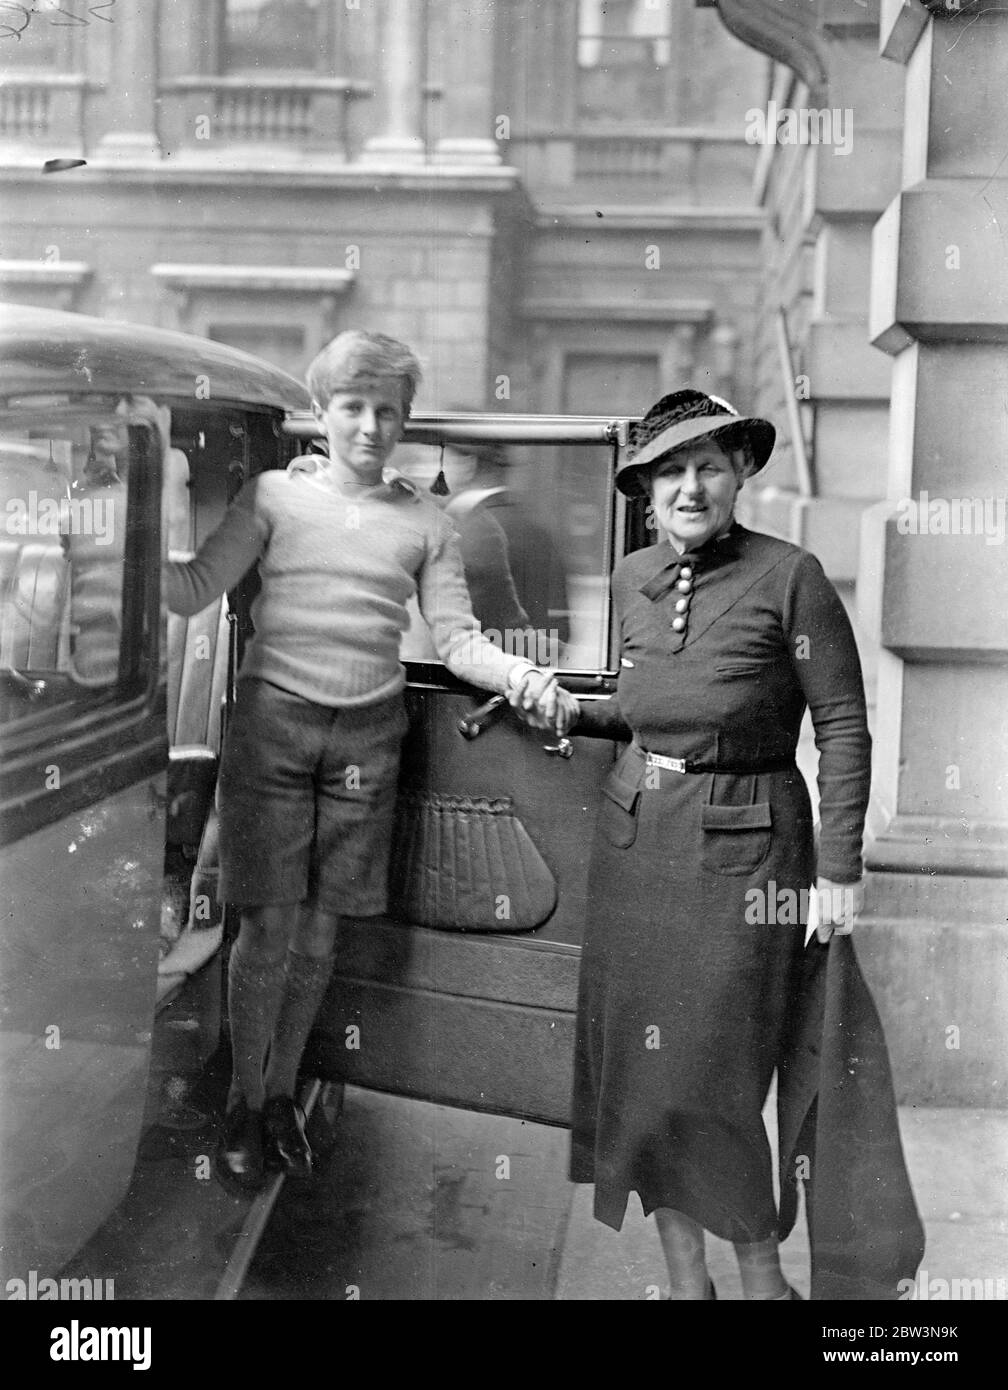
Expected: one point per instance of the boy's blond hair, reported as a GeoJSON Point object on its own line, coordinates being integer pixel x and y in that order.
{"type": "Point", "coordinates": [354, 358]}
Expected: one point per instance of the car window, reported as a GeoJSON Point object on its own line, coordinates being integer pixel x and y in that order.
{"type": "Point", "coordinates": [535, 524]}
{"type": "Point", "coordinates": [67, 482]}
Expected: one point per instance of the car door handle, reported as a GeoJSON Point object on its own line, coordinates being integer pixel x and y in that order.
{"type": "Point", "coordinates": [28, 687]}
{"type": "Point", "coordinates": [471, 725]}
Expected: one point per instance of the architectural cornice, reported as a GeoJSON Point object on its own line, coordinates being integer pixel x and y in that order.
{"type": "Point", "coordinates": [57, 282]}
{"type": "Point", "coordinates": [649, 218]}
{"type": "Point", "coordinates": [188, 282]}
{"type": "Point", "coordinates": [621, 310]}
{"type": "Point", "coordinates": [62, 273]}
{"type": "Point", "coordinates": [306, 173]}
{"type": "Point", "coordinates": [261, 278]}
{"type": "Point", "coordinates": [934, 845]}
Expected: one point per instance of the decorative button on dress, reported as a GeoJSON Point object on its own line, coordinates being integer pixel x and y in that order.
{"type": "Point", "coordinates": [690, 972]}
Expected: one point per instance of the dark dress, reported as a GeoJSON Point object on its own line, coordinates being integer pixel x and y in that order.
{"type": "Point", "coordinates": [687, 981]}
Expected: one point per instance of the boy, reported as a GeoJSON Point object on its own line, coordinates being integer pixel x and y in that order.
{"type": "Point", "coordinates": [310, 760]}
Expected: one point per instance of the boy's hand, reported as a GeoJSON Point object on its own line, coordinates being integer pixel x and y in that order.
{"type": "Point", "coordinates": [542, 703]}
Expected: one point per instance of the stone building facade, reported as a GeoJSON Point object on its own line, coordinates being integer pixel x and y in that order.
{"type": "Point", "coordinates": [555, 193]}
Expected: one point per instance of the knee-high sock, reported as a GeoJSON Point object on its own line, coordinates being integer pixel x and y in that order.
{"type": "Point", "coordinates": [255, 984]}
{"type": "Point", "coordinates": [306, 980]}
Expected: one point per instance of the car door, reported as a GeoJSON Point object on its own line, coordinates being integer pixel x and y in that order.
{"type": "Point", "coordinates": [466, 993]}
{"type": "Point", "coordinates": [82, 797]}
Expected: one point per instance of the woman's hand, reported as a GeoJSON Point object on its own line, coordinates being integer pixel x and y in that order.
{"type": "Point", "coordinates": [840, 905]}
{"type": "Point", "coordinates": [542, 703]}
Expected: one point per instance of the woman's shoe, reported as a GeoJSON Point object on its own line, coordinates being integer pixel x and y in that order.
{"type": "Point", "coordinates": [239, 1157]}
{"type": "Point", "coordinates": [285, 1142]}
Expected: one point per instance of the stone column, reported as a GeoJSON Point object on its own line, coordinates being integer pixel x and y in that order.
{"type": "Point", "coordinates": [465, 76]}
{"type": "Point", "coordinates": [934, 578]}
{"type": "Point", "coordinates": [402, 63]}
{"type": "Point", "coordinates": [131, 99]}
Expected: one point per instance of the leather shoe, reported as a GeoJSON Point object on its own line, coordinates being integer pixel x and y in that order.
{"type": "Point", "coordinates": [286, 1144]}
{"type": "Point", "coordinates": [239, 1157]}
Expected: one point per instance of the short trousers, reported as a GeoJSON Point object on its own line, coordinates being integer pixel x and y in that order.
{"type": "Point", "coordinates": [306, 801]}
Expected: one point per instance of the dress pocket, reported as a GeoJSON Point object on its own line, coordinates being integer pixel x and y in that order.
{"type": "Point", "coordinates": [736, 839]}
{"type": "Point", "coordinates": [738, 669]}
{"type": "Point", "coordinates": [618, 811]}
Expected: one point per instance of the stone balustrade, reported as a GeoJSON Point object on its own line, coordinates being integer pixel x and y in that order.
{"type": "Point", "coordinates": [24, 111]}
{"type": "Point", "coordinates": [254, 109]}
{"type": "Point", "coordinates": [684, 161]}
{"type": "Point", "coordinates": [44, 107]}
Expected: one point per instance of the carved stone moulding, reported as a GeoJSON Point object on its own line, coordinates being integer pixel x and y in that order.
{"type": "Point", "coordinates": [45, 284]}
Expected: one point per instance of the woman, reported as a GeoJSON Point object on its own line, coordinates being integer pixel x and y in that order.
{"type": "Point", "coordinates": [688, 981]}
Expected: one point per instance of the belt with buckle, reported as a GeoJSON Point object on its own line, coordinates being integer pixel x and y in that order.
{"type": "Point", "coordinates": [783, 763]}
{"type": "Point", "coordinates": [669, 764]}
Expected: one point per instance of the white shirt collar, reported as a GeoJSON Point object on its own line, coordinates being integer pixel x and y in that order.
{"type": "Point", "coordinates": [316, 466]}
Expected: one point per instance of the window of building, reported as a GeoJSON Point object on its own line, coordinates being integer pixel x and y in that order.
{"type": "Point", "coordinates": [275, 36]}
{"type": "Point", "coordinates": [624, 57]}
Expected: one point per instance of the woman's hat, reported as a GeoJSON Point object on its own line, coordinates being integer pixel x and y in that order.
{"type": "Point", "coordinates": [681, 418]}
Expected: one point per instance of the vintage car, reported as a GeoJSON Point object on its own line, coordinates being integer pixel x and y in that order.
{"type": "Point", "coordinates": [118, 444]}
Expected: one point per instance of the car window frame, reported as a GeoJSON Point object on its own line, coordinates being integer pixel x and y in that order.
{"type": "Point", "coordinates": [546, 429]}
{"type": "Point", "coordinates": [95, 741]}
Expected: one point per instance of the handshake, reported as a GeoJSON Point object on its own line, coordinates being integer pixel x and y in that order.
{"type": "Point", "coordinates": [541, 702]}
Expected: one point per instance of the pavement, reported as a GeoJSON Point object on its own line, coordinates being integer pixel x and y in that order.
{"type": "Point", "coordinates": [420, 1201]}
{"type": "Point", "coordinates": [424, 1202]}
{"type": "Point", "coordinates": [958, 1162]}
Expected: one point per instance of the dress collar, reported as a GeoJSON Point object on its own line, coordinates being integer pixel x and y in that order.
{"type": "Point", "coordinates": [715, 551]}
{"type": "Point", "coordinates": [708, 546]}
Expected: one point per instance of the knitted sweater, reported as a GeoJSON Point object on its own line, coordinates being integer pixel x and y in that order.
{"type": "Point", "coordinates": [337, 569]}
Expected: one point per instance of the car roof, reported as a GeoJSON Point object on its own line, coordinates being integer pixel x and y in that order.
{"type": "Point", "coordinates": [46, 350]}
